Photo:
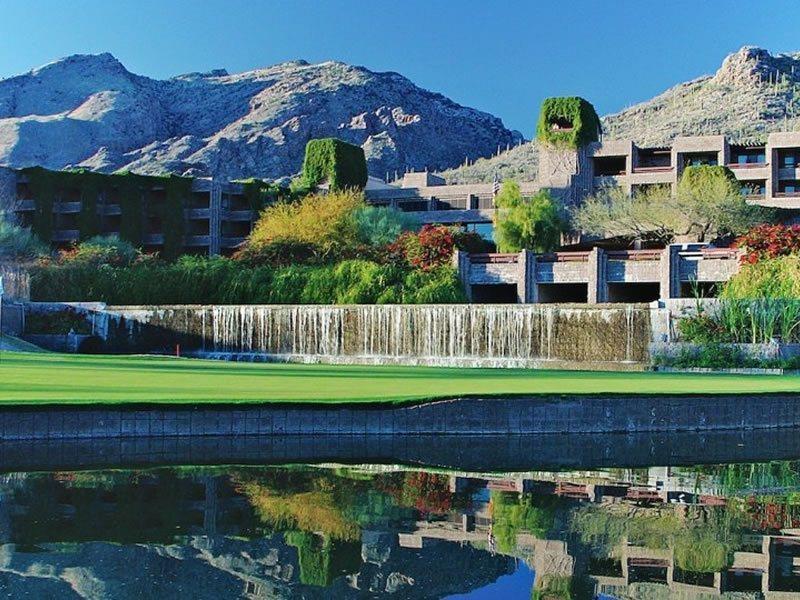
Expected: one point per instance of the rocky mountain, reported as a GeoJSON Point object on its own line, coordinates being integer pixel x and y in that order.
{"type": "Point", "coordinates": [90, 111]}
{"type": "Point", "coordinates": [750, 95]}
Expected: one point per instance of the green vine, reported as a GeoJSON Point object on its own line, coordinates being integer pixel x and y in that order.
{"type": "Point", "coordinates": [338, 163]}
{"type": "Point", "coordinates": [174, 223]}
{"type": "Point", "coordinates": [48, 186]}
{"type": "Point", "coordinates": [43, 189]}
{"type": "Point", "coordinates": [131, 192]}
{"type": "Point", "coordinates": [568, 122]}
{"type": "Point", "coordinates": [259, 193]}
{"type": "Point", "coordinates": [90, 185]}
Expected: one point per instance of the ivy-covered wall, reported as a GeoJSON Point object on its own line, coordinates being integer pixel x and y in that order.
{"type": "Point", "coordinates": [130, 190]}
{"type": "Point", "coordinates": [260, 193]}
{"type": "Point", "coordinates": [583, 124]}
{"type": "Point", "coordinates": [341, 164]}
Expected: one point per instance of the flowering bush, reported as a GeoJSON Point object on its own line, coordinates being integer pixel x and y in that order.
{"type": "Point", "coordinates": [427, 249]}
{"type": "Point", "coordinates": [769, 241]}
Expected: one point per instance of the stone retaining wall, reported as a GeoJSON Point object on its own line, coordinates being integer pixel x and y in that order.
{"type": "Point", "coordinates": [470, 416]}
{"type": "Point", "coordinates": [506, 453]}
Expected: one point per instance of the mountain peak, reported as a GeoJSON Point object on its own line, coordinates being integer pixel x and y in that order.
{"type": "Point", "coordinates": [752, 64]}
{"type": "Point", "coordinates": [104, 61]}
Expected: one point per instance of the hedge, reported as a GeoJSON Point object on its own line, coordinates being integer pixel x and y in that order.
{"type": "Point", "coordinates": [200, 280]}
{"type": "Point", "coordinates": [338, 163]}
{"type": "Point", "coordinates": [586, 125]}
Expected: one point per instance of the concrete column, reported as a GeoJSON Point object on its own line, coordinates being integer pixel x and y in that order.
{"type": "Point", "coordinates": [527, 291]}
{"type": "Point", "coordinates": [670, 275]}
{"type": "Point", "coordinates": [597, 284]}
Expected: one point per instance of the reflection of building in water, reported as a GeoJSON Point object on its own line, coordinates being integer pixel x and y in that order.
{"type": "Point", "coordinates": [766, 564]}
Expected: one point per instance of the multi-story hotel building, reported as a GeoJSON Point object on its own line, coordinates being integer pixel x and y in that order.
{"type": "Point", "coordinates": [217, 216]}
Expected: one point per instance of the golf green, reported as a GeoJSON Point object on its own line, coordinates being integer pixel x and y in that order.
{"type": "Point", "coordinates": [27, 379]}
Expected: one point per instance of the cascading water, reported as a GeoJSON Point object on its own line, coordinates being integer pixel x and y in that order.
{"type": "Point", "coordinates": [433, 334]}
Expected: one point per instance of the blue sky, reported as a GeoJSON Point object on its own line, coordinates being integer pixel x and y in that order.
{"type": "Point", "coordinates": [499, 56]}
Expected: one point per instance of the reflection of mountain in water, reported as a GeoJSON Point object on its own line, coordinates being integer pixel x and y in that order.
{"type": "Point", "coordinates": [286, 532]}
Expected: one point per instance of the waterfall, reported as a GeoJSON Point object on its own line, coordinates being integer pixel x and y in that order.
{"type": "Point", "coordinates": [433, 334]}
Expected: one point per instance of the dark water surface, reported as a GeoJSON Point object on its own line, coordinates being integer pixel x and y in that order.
{"type": "Point", "coordinates": [583, 518]}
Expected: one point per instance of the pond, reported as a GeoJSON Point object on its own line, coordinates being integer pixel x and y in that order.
{"type": "Point", "coordinates": [346, 529]}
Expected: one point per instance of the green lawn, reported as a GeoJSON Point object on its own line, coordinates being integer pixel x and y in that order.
{"type": "Point", "coordinates": [59, 378]}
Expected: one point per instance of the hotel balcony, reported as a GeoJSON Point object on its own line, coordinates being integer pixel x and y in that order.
{"type": "Point", "coordinates": [65, 235]}
{"type": "Point", "coordinates": [231, 242]}
{"type": "Point", "coordinates": [239, 216]}
{"type": "Point", "coordinates": [67, 208]}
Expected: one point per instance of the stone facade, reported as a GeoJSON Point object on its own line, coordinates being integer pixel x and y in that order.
{"type": "Point", "coordinates": [770, 172]}
{"type": "Point", "coordinates": [599, 275]}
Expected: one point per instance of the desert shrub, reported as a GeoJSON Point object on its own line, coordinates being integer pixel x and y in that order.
{"type": "Point", "coordinates": [755, 321]}
{"type": "Point", "coordinates": [18, 242]}
{"type": "Point", "coordinates": [767, 278]}
{"type": "Point", "coordinates": [281, 253]}
{"type": "Point", "coordinates": [427, 249]}
{"type": "Point", "coordinates": [325, 222]}
{"type": "Point", "coordinates": [708, 204]}
{"type": "Point", "coordinates": [380, 225]}
{"type": "Point", "coordinates": [341, 165]}
{"type": "Point", "coordinates": [100, 250]}
{"type": "Point", "coordinates": [701, 554]}
{"type": "Point", "coordinates": [527, 223]}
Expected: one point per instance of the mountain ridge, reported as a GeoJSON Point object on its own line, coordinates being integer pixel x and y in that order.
{"type": "Point", "coordinates": [89, 111]}
{"type": "Point", "coordinates": [752, 94]}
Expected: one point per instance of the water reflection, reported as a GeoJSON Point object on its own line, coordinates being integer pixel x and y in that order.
{"type": "Point", "coordinates": [369, 531]}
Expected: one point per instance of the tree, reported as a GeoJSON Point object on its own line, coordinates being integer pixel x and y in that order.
{"type": "Point", "coordinates": [707, 204]}
{"type": "Point", "coordinates": [526, 223]}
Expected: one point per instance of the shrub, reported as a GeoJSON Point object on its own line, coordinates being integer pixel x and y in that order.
{"type": "Point", "coordinates": [768, 278]}
{"type": "Point", "coordinates": [381, 226]}
{"type": "Point", "coordinates": [527, 223]}
{"type": "Point", "coordinates": [435, 286]}
{"type": "Point", "coordinates": [201, 280]}
{"type": "Point", "coordinates": [701, 554]}
{"type": "Point", "coordinates": [472, 242]}
{"type": "Point", "coordinates": [325, 222]}
{"type": "Point", "coordinates": [568, 122]}
{"type": "Point", "coordinates": [280, 253]}
{"type": "Point", "coordinates": [100, 250]}
{"type": "Point", "coordinates": [338, 163]}
{"type": "Point", "coordinates": [18, 242]}
{"type": "Point", "coordinates": [427, 249]}
{"type": "Point", "coordinates": [769, 241]}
